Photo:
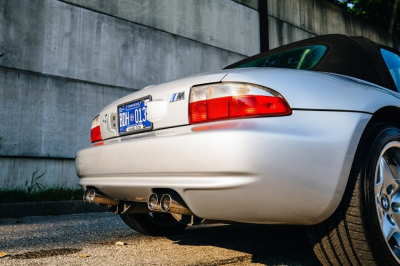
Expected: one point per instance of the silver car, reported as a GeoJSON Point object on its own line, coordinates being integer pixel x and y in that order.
{"type": "Point", "coordinates": [304, 134]}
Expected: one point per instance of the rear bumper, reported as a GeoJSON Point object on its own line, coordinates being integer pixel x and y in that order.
{"type": "Point", "coordinates": [287, 170]}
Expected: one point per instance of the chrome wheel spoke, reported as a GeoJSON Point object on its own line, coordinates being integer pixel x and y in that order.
{"type": "Point", "coordinates": [396, 251]}
{"type": "Point", "coordinates": [388, 227]}
{"type": "Point", "coordinates": [379, 178]}
{"type": "Point", "coordinates": [396, 217]}
{"type": "Point", "coordinates": [396, 198]}
{"type": "Point", "coordinates": [395, 208]}
{"type": "Point", "coordinates": [395, 169]}
{"type": "Point", "coordinates": [381, 213]}
{"type": "Point", "coordinates": [395, 244]}
{"type": "Point", "coordinates": [389, 180]}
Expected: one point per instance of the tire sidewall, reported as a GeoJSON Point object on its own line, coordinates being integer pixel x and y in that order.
{"type": "Point", "coordinates": [379, 139]}
{"type": "Point", "coordinates": [161, 224]}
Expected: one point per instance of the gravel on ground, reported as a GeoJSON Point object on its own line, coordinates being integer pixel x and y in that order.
{"type": "Point", "coordinates": [90, 238]}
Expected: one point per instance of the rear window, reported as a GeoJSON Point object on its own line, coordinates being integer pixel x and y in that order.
{"type": "Point", "coordinates": [392, 61]}
{"type": "Point", "coordinates": [300, 58]}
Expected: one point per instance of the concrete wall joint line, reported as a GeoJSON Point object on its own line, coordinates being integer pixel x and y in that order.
{"type": "Point", "coordinates": [239, 3]}
{"type": "Point", "coordinates": [175, 35]}
{"type": "Point", "coordinates": [57, 114]}
{"type": "Point", "coordinates": [288, 23]}
{"type": "Point", "coordinates": [37, 157]}
{"type": "Point", "coordinates": [70, 79]}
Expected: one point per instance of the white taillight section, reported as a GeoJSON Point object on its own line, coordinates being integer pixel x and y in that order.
{"type": "Point", "coordinates": [234, 100]}
{"type": "Point", "coordinates": [95, 132]}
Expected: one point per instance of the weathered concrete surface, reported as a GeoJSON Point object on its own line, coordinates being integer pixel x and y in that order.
{"type": "Point", "coordinates": [57, 38]}
{"type": "Point", "coordinates": [60, 64]}
{"type": "Point", "coordinates": [23, 209]}
{"type": "Point", "coordinates": [47, 116]}
{"type": "Point", "coordinates": [320, 17]}
{"type": "Point", "coordinates": [284, 33]}
{"type": "Point", "coordinates": [14, 171]}
{"type": "Point", "coordinates": [250, 3]}
{"type": "Point", "coordinates": [219, 23]}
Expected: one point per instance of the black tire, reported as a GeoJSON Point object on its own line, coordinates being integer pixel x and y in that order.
{"type": "Point", "coordinates": [353, 235]}
{"type": "Point", "coordinates": [153, 224]}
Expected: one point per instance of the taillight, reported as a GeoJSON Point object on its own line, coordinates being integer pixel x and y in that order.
{"type": "Point", "coordinates": [234, 100]}
{"type": "Point", "coordinates": [95, 132]}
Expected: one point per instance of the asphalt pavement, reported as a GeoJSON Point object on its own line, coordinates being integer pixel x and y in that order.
{"type": "Point", "coordinates": [90, 239]}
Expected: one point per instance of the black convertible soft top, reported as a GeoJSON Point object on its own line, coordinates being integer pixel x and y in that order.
{"type": "Point", "coordinates": [356, 57]}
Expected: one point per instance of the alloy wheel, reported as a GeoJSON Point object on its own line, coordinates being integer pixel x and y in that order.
{"type": "Point", "coordinates": [387, 195]}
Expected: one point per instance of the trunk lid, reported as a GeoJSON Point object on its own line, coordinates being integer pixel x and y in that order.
{"type": "Point", "coordinates": [168, 106]}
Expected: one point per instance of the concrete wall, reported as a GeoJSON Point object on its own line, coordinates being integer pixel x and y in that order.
{"type": "Point", "coordinates": [60, 39]}
{"type": "Point", "coordinates": [62, 61]}
{"type": "Point", "coordinates": [15, 171]}
{"type": "Point", "coordinates": [219, 23]}
{"type": "Point", "coordinates": [249, 3]}
{"type": "Point", "coordinates": [48, 116]}
{"type": "Point", "coordinates": [294, 20]}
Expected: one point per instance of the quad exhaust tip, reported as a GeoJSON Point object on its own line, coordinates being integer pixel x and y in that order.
{"type": "Point", "coordinates": [165, 203]}
{"type": "Point", "coordinates": [168, 203]}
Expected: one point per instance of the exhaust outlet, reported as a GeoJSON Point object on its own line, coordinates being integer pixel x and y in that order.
{"type": "Point", "coordinates": [92, 196]}
{"type": "Point", "coordinates": [153, 203]}
{"type": "Point", "coordinates": [174, 205]}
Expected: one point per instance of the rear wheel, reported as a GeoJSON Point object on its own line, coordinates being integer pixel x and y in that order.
{"type": "Point", "coordinates": [154, 224]}
{"type": "Point", "coordinates": [364, 230]}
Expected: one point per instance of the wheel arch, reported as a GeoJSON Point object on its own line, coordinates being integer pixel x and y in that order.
{"type": "Point", "coordinates": [338, 238]}
{"type": "Point", "coordinates": [385, 114]}
{"type": "Point", "coordinates": [388, 114]}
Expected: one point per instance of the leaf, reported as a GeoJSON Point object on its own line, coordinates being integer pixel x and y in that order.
{"type": "Point", "coordinates": [3, 254]}
{"type": "Point", "coordinates": [34, 173]}
{"type": "Point", "coordinates": [40, 176]}
{"type": "Point", "coordinates": [84, 256]}
{"type": "Point", "coordinates": [120, 243]}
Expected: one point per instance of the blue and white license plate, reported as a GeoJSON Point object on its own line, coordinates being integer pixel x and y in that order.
{"type": "Point", "coordinates": [133, 116]}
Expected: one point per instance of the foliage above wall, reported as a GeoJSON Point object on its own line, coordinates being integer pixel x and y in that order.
{"type": "Point", "coordinates": [382, 13]}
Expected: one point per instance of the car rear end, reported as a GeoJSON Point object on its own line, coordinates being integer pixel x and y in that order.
{"type": "Point", "coordinates": [229, 150]}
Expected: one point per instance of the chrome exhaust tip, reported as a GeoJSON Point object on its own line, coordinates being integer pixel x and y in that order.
{"type": "Point", "coordinates": [89, 195]}
{"type": "Point", "coordinates": [152, 202]}
{"type": "Point", "coordinates": [174, 205]}
{"type": "Point", "coordinates": [92, 196]}
{"type": "Point", "coordinates": [165, 202]}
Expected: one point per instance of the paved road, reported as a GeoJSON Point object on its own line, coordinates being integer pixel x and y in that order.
{"type": "Point", "coordinates": [60, 240]}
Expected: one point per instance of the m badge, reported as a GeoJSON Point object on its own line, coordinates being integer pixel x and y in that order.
{"type": "Point", "coordinates": [177, 97]}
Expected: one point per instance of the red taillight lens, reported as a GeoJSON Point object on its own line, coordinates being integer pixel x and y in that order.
{"type": "Point", "coordinates": [95, 132]}
{"type": "Point", "coordinates": [234, 100]}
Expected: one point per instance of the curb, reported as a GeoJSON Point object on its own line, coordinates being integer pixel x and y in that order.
{"type": "Point", "coordinates": [21, 209]}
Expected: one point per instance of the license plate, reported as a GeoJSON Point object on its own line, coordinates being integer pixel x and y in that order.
{"type": "Point", "coordinates": [133, 117]}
